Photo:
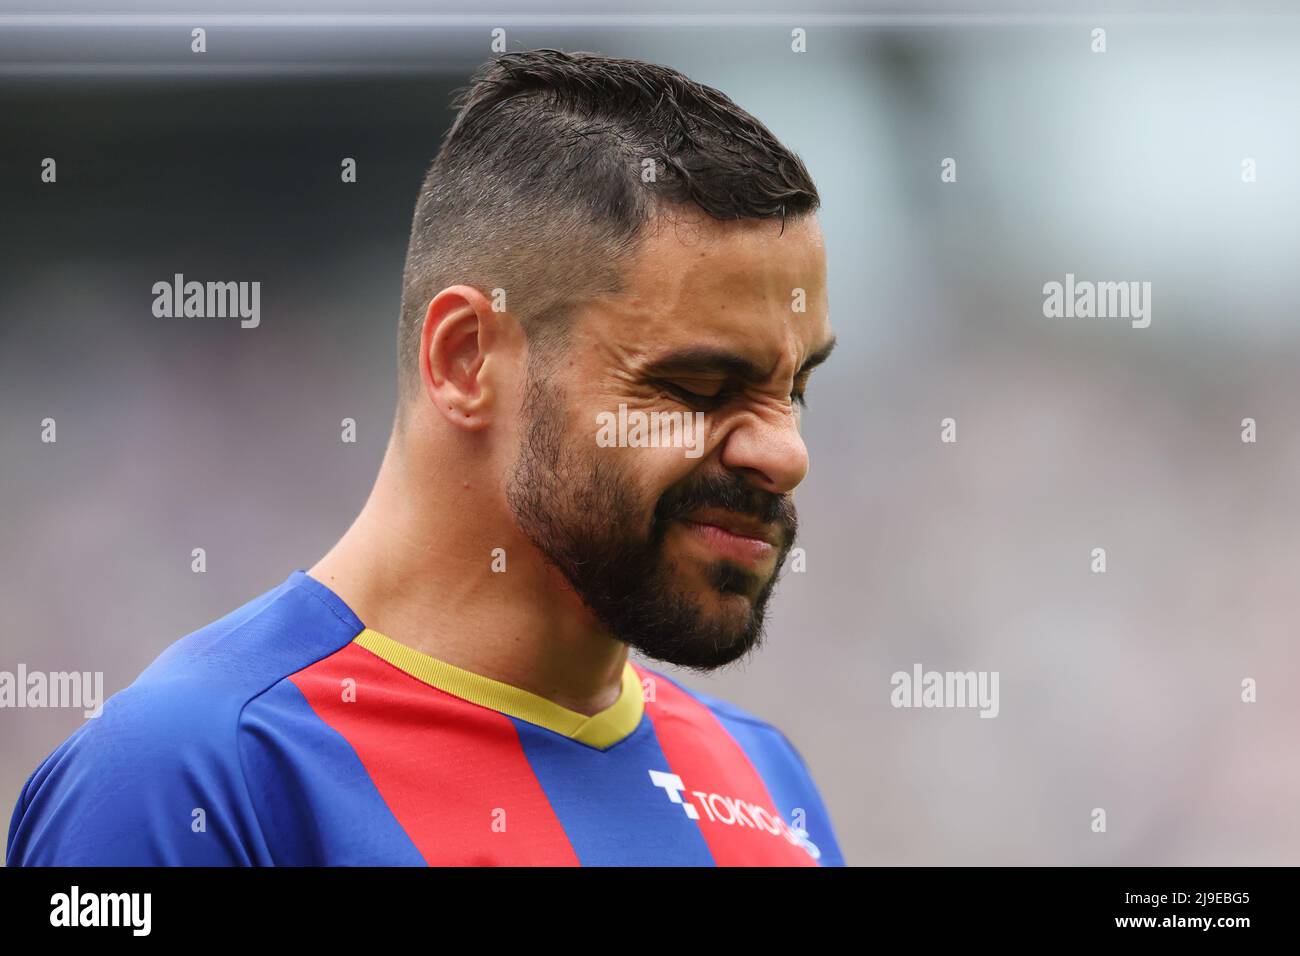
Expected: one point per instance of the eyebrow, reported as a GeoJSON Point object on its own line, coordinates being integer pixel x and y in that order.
{"type": "Point", "coordinates": [706, 358]}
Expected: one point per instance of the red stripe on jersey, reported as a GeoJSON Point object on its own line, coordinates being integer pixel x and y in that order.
{"type": "Point", "coordinates": [453, 773]}
{"type": "Point", "coordinates": [736, 812]}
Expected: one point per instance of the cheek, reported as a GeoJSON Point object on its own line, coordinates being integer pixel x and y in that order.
{"type": "Point", "coordinates": [666, 470]}
{"type": "Point", "coordinates": [648, 473]}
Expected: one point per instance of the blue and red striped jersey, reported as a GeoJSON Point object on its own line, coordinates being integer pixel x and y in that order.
{"type": "Point", "coordinates": [289, 733]}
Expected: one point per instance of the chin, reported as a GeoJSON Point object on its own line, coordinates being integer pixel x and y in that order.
{"type": "Point", "coordinates": [733, 612]}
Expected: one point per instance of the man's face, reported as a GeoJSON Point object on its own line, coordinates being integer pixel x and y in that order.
{"type": "Point", "coordinates": [659, 450]}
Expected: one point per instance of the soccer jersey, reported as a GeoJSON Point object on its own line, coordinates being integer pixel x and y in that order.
{"type": "Point", "coordinates": [289, 733]}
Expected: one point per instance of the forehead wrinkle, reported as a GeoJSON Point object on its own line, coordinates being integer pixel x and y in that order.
{"type": "Point", "coordinates": [666, 345]}
{"type": "Point", "coordinates": [730, 294]}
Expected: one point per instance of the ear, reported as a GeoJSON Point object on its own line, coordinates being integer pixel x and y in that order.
{"type": "Point", "coordinates": [456, 347]}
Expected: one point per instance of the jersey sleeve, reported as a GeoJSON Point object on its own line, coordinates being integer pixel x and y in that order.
{"type": "Point", "coordinates": [155, 780]}
{"type": "Point", "coordinates": [816, 818]}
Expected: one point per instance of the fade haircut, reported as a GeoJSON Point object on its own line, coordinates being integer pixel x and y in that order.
{"type": "Point", "coordinates": [542, 186]}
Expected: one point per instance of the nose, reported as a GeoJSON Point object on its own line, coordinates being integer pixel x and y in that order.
{"type": "Point", "coordinates": [770, 453]}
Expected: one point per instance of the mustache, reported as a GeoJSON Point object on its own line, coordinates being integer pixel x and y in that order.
{"type": "Point", "coordinates": [730, 493]}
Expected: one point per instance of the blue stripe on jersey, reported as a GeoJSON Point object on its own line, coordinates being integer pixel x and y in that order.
{"type": "Point", "coordinates": [611, 811]}
{"type": "Point", "coordinates": [321, 804]}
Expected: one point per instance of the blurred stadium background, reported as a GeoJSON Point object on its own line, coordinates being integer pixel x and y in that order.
{"type": "Point", "coordinates": [1119, 691]}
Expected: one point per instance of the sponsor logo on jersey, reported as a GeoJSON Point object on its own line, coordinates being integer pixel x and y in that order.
{"type": "Point", "coordinates": [731, 811]}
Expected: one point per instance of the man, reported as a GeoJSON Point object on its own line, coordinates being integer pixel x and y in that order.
{"type": "Point", "coordinates": [614, 295]}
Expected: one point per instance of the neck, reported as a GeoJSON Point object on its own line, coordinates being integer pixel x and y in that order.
{"type": "Point", "coordinates": [417, 565]}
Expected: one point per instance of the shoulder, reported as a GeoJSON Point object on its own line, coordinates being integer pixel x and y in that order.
{"type": "Point", "coordinates": [157, 777]}
{"type": "Point", "coordinates": [773, 756]}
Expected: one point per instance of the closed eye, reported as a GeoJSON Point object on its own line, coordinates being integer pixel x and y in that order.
{"type": "Point", "coordinates": [800, 395]}
{"type": "Point", "coordinates": [716, 399]}
{"type": "Point", "coordinates": [694, 398]}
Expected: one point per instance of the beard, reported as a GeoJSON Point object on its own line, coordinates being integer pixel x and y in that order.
{"type": "Point", "coordinates": [585, 518]}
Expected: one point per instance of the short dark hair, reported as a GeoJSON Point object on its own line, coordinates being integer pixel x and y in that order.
{"type": "Point", "coordinates": [540, 185]}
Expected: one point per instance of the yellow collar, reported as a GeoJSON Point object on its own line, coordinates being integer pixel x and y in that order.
{"type": "Point", "coordinates": [601, 730]}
